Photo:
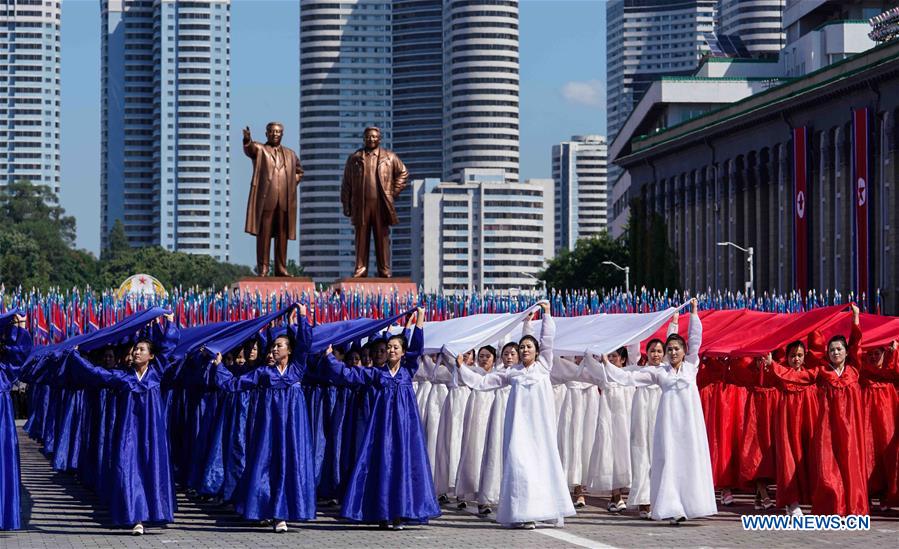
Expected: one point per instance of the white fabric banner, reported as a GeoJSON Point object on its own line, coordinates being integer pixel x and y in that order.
{"type": "Point", "coordinates": [598, 334]}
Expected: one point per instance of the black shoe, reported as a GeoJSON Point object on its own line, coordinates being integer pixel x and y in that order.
{"type": "Point", "coordinates": [461, 505]}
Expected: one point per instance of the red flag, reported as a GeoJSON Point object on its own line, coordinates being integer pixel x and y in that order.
{"type": "Point", "coordinates": [800, 209]}
{"type": "Point", "coordinates": [860, 201]}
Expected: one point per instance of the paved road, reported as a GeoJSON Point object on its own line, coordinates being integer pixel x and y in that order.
{"type": "Point", "coordinates": [59, 513]}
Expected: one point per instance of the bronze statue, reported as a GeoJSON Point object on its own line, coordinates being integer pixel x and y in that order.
{"type": "Point", "coordinates": [371, 179]}
{"type": "Point", "coordinates": [272, 204]}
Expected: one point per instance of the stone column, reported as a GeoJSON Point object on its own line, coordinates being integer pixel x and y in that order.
{"type": "Point", "coordinates": [821, 227]}
{"type": "Point", "coordinates": [841, 211]}
{"type": "Point", "coordinates": [887, 204]}
{"type": "Point", "coordinates": [732, 224]}
{"type": "Point", "coordinates": [710, 213]}
{"type": "Point", "coordinates": [785, 198]}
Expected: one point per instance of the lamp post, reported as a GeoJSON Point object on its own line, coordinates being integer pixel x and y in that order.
{"type": "Point", "coordinates": [749, 253]}
{"type": "Point", "coordinates": [627, 273]}
{"type": "Point", "coordinates": [541, 281]}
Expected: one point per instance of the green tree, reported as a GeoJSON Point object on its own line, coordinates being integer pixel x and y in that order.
{"type": "Point", "coordinates": [654, 262]}
{"type": "Point", "coordinates": [21, 261]}
{"type": "Point", "coordinates": [582, 267]}
{"type": "Point", "coordinates": [37, 249]}
{"type": "Point", "coordinates": [117, 244]}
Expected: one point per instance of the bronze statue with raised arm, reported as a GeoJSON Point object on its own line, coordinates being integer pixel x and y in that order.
{"type": "Point", "coordinates": [272, 204]}
{"type": "Point", "coordinates": [372, 178]}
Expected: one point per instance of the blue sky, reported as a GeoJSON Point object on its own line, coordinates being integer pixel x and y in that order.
{"type": "Point", "coordinates": [562, 93]}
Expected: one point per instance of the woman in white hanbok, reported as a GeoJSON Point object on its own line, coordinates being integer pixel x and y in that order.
{"type": "Point", "coordinates": [440, 377]}
{"type": "Point", "coordinates": [477, 416]}
{"type": "Point", "coordinates": [533, 488]}
{"type": "Point", "coordinates": [577, 427]}
{"type": "Point", "coordinates": [681, 471]}
{"type": "Point", "coordinates": [643, 421]}
{"type": "Point", "coordinates": [449, 433]}
{"type": "Point", "coordinates": [610, 461]}
{"type": "Point", "coordinates": [492, 461]}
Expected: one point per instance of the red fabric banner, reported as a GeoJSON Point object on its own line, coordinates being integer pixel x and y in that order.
{"type": "Point", "coordinates": [861, 188]}
{"type": "Point", "coordinates": [800, 209]}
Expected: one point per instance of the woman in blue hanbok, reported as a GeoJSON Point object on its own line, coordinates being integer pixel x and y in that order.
{"type": "Point", "coordinates": [391, 482]}
{"type": "Point", "coordinates": [14, 350]}
{"type": "Point", "coordinates": [139, 484]}
{"type": "Point", "coordinates": [278, 482]}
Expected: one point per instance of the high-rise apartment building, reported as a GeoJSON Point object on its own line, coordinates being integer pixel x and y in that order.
{"type": "Point", "coordinates": [645, 40]}
{"type": "Point", "coordinates": [482, 232]}
{"type": "Point", "coordinates": [758, 24]}
{"type": "Point", "coordinates": [581, 195]}
{"type": "Point", "coordinates": [417, 106]}
{"type": "Point", "coordinates": [481, 83]}
{"type": "Point", "coordinates": [345, 85]}
{"type": "Point", "coordinates": [439, 77]}
{"type": "Point", "coordinates": [166, 82]}
{"type": "Point", "coordinates": [30, 92]}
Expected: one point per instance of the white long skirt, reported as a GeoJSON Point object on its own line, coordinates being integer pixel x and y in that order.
{"type": "Point", "coordinates": [681, 471]}
{"type": "Point", "coordinates": [577, 430]}
{"type": "Point", "coordinates": [477, 418]}
{"type": "Point", "coordinates": [533, 487]}
{"type": "Point", "coordinates": [559, 392]}
{"type": "Point", "coordinates": [643, 422]}
{"type": "Point", "coordinates": [422, 390]}
{"type": "Point", "coordinates": [449, 439]}
{"type": "Point", "coordinates": [610, 462]}
{"type": "Point", "coordinates": [435, 400]}
{"type": "Point", "coordinates": [492, 461]}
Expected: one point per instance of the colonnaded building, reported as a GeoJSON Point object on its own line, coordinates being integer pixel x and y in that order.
{"type": "Point", "coordinates": [802, 169]}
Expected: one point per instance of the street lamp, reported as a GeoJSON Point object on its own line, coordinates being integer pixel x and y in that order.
{"type": "Point", "coordinates": [541, 281]}
{"type": "Point", "coordinates": [627, 273]}
{"type": "Point", "coordinates": [749, 253]}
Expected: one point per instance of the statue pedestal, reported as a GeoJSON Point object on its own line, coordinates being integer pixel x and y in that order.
{"type": "Point", "coordinates": [268, 285]}
{"type": "Point", "coordinates": [372, 286]}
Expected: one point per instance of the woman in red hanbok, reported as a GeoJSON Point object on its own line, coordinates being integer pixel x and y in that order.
{"type": "Point", "coordinates": [838, 446]}
{"type": "Point", "coordinates": [795, 421]}
{"type": "Point", "coordinates": [722, 408]}
{"type": "Point", "coordinates": [758, 460]}
{"type": "Point", "coordinates": [880, 406]}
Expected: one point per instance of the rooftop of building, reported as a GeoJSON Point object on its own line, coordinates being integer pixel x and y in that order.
{"type": "Point", "coordinates": [883, 58]}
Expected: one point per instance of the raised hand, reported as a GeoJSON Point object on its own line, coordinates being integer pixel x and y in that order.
{"type": "Point", "coordinates": [246, 134]}
{"type": "Point", "coordinates": [694, 306]}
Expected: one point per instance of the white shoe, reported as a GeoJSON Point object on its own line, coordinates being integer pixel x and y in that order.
{"type": "Point", "coordinates": [794, 510]}
{"type": "Point", "coordinates": [644, 514]}
{"type": "Point", "coordinates": [727, 498]}
{"type": "Point", "coordinates": [281, 527]}
{"type": "Point", "coordinates": [138, 530]}
{"type": "Point", "coordinates": [621, 506]}
{"type": "Point", "coordinates": [525, 525]}
{"type": "Point", "coordinates": [398, 525]}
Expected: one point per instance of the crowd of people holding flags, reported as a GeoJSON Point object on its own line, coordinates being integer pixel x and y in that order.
{"type": "Point", "coordinates": [518, 414]}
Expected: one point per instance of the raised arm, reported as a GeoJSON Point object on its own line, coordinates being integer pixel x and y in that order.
{"type": "Point", "coordinates": [165, 338]}
{"type": "Point", "coordinates": [805, 376]}
{"type": "Point", "coordinates": [601, 372]}
{"type": "Point", "coordinates": [481, 382]}
{"type": "Point", "coordinates": [855, 338]}
{"type": "Point", "coordinates": [79, 372]}
{"type": "Point", "coordinates": [335, 371]}
{"type": "Point", "coordinates": [547, 337]}
{"type": "Point", "coordinates": [416, 342]}
{"type": "Point", "coordinates": [250, 147]}
{"type": "Point", "coordinates": [564, 369]}
{"type": "Point", "coordinates": [694, 336]}
{"type": "Point", "coordinates": [673, 325]}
